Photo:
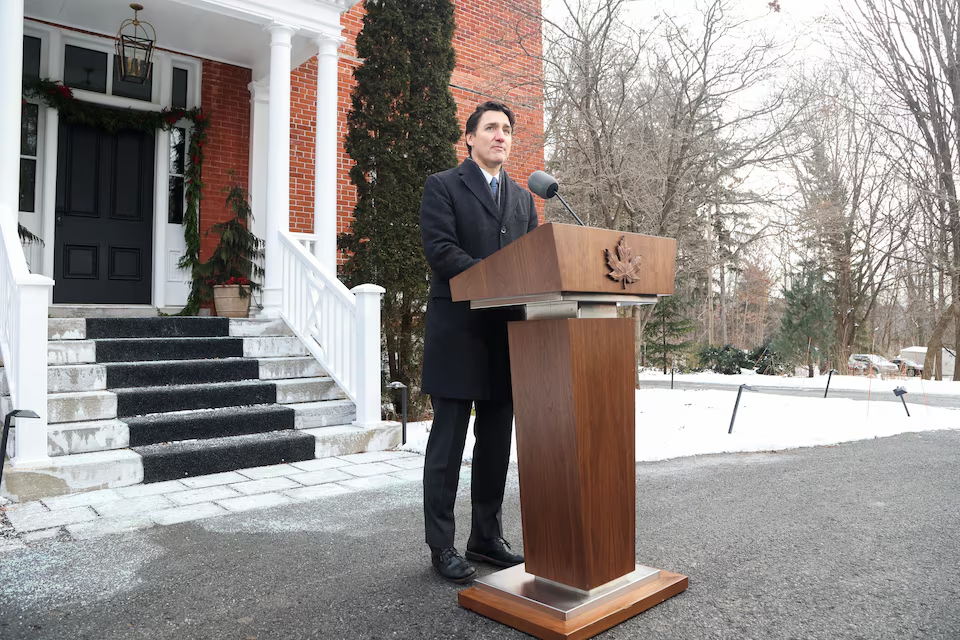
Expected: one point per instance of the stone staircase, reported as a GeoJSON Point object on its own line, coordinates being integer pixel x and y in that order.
{"type": "Point", "coordinates": [150, 399]}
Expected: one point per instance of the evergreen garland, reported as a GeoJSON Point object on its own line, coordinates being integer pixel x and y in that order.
{"type": "Point", "coordinates": [59, 96]}
{"type": "Point", "coordinates": [403, 128]}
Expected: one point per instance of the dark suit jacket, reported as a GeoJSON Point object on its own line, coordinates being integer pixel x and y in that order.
{"type": "Point", "coordinates": [465, 351]}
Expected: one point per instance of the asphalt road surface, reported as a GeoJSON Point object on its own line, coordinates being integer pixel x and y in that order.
{"type": "Point", "coordinates": [858, 540]}
{"type": "Point", "coordinates": [913, 400]}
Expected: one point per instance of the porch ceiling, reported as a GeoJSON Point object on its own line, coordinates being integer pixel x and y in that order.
{"type": "Point", "coordinates": [225, 30]}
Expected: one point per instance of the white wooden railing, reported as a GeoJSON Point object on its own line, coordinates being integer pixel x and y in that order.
{"type": "Point", "coordinates": [23, 343]}
{"type": "Point", "coordinates": [340, 326]}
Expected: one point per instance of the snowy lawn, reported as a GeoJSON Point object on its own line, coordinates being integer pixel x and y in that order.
{"type": "Point", "coordinates": [675, 423]}
{"type": "Point", "coordinates": [914, 386]}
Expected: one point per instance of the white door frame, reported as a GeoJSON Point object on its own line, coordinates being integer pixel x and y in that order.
{"type": "Point", "coordinates": [168, 288]}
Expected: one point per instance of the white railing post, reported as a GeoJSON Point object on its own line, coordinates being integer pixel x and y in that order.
{"type": "Point", "coordinates": [368, 354]}
{"type": "Point", "coordinates": [31, 370]}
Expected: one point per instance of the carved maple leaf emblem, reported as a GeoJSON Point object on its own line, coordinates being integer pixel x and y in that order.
{"type": "Point", "coordinates": [624, 267]}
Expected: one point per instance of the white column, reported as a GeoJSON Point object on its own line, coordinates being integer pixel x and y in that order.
{"type": "Point", "coordinates": [51, 123]}
{"type": "Point", "coordinates": [11, 69]}
{"type": "Point", "coordinates": [278, 163]}
{"type": "Point", "coordinates": [368, 356]}
{"type": "Point", "coordinates": [259, 124]}
{"type": "Point", "coordinates": [325, 176]}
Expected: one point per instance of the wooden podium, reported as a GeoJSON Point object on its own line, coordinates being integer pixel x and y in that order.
{"type": "Point", "coordinates": [572, 364]}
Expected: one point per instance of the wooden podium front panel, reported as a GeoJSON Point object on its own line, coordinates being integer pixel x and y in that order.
{"type": "Point", "coordinates": [573, 396]}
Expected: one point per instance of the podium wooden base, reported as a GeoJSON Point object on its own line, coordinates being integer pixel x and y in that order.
{"type": "Point", "coordinates": [515, 613]}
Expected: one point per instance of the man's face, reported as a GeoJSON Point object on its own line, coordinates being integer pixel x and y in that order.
{"type": "Point", "coordinates": [491, 141]}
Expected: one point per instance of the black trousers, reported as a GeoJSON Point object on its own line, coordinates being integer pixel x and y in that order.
{"type": "Point", "coordinates": [493, 429]}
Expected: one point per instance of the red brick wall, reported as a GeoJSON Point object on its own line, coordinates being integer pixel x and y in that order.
{"type": "Point", "coordinates": [303, 140]}
{"type": "Point", "coordinates": [226, 98]}
{"type": "Point", "coordinates": [490, 65]}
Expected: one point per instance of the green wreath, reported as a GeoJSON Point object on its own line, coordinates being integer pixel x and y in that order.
{"type": "Point", "coordinates": [58, 96]}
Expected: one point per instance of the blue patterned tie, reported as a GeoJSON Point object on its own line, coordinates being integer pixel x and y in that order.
{"type": "Point", "coordinates": [493, 188]}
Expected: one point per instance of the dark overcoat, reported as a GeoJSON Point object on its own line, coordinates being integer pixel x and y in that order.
{"type": "Point", "coordinates": [465, 351]}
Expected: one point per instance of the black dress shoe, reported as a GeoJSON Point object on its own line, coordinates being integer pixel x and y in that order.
{"type": "Point", "coordinates": [451, 566]}
{"type": "Point", "coordinates": [496, 552]}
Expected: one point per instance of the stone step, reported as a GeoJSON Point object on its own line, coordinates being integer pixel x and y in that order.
{"type": "Point", "coordinates": [98, 377]}
{"type": "Point", "coordinates": [67, 378]}
{"type": "Point", "coordinates": [206, 424]}
{"type": "Point", "coordinates": [76, 377]}
{"type": "Point", "coordinates": [101, 311]}
{"type": "Point", "coordinates": [291, 367]}
{"type": "Point", "coordinates": [202, 457]}
{"type": "Point", "coordinates": [70, 438]}
{"type": "Point", "coordinates": [146, 349]}
{"type": "Point", "coordinates": [180, 372]}
{"type": "Point", "coordinates": [307, 390]}
{"type": "Point", "coordinates": [328, 413]}
{"type": "Point", "coordinates": [273, 347]}
{"type": "Point", "coordinates": [75, 474]}
{"type": "Point", "coordinates": [343, 440]}
{"type": "Point", "coordinates": [71, 352]}
{"type": "Point", "coordinates": [76, 328]}
{"type": "Point", "coordinates": [163, 327]}
{"type": "Point", "coordinates": [81, 406]}
{"type": "Point", "coordinates": [259, 327]}
{"type": "Point", "coordinates": [66, 329]}
{"type": "Point", "coordinates": [147, 400]}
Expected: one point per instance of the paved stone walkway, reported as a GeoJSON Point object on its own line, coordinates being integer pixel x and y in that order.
{"type": "Point", "coordinates": [93, 514]}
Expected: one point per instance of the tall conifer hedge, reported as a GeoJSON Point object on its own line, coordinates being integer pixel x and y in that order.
{"type": "Point", "coordinates": [403, 127]}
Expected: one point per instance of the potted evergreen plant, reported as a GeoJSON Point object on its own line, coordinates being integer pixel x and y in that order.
{"type": "Point", "coordinates": [232, 270]}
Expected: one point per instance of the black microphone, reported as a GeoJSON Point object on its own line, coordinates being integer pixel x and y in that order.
{"type": "Point", "coordinates": [546, 186]}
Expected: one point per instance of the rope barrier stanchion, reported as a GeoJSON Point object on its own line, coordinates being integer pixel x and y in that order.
{"type": "Point", "coordinates": [829, 376]}
{"type": "Point", "coordinates": [737, 404]}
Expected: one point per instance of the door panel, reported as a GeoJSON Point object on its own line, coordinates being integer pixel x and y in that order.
{"type": "Point", "coordinates": [104, 219]}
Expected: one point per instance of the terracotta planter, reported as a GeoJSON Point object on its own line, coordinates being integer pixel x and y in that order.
{"type": "Point", "coordinates": [229, 303]}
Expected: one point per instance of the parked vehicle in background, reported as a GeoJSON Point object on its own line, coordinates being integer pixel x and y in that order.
{"type": "Point", "coordinates": [948, 358]}
{"type": "Point", "coordinates": [907, 366]}
{"type": "Point", "coordinates": [862, 364]}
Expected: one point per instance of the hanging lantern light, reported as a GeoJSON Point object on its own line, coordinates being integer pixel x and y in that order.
{"type": "Point", "coordinates": [135, 48]}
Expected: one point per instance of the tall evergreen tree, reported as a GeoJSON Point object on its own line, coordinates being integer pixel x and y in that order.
{"type": "Point", "coordinates": [806, 328]}
{"type": "Point", "coordinates": [665, 330]}
{"type": "Point", "coordinates": [403, 127]}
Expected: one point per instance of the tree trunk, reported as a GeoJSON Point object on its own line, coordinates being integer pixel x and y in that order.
{"type": "Point", "coordinates": [935, 345]}
{"type": "Point", "coordinates": [723, 306]}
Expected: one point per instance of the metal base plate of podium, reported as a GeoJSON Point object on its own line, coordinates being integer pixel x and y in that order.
{"type": "Point", "coordinates": [547, 610]}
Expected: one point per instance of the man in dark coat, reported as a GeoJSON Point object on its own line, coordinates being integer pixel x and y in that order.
{"type": "Point", "coordinates": [468, 213]}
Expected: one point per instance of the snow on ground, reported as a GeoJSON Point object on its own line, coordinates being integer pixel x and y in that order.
{"type": "Point", "coordinates": [676, 423]}
{"type": "Point", "coordinates": [915, 386]}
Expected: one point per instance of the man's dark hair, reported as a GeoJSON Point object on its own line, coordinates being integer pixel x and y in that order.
{"type": "Point", "coordinates": [490, 105]}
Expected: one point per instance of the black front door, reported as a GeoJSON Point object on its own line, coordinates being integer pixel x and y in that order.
{"type": "Point", "coordinates": [104, 217]}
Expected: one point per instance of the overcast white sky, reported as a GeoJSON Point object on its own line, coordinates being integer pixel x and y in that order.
{"type": "Point", "coordinates": [793, 18]}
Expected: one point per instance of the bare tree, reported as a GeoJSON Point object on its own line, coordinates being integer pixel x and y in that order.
{"type": "Point", "coordinates": [854, 211]}
{"type": "Point", "coordinates": [913, 47]}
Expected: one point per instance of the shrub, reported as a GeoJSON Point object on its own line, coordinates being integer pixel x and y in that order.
{"type": "Point", "coordinates": [727, 360]}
